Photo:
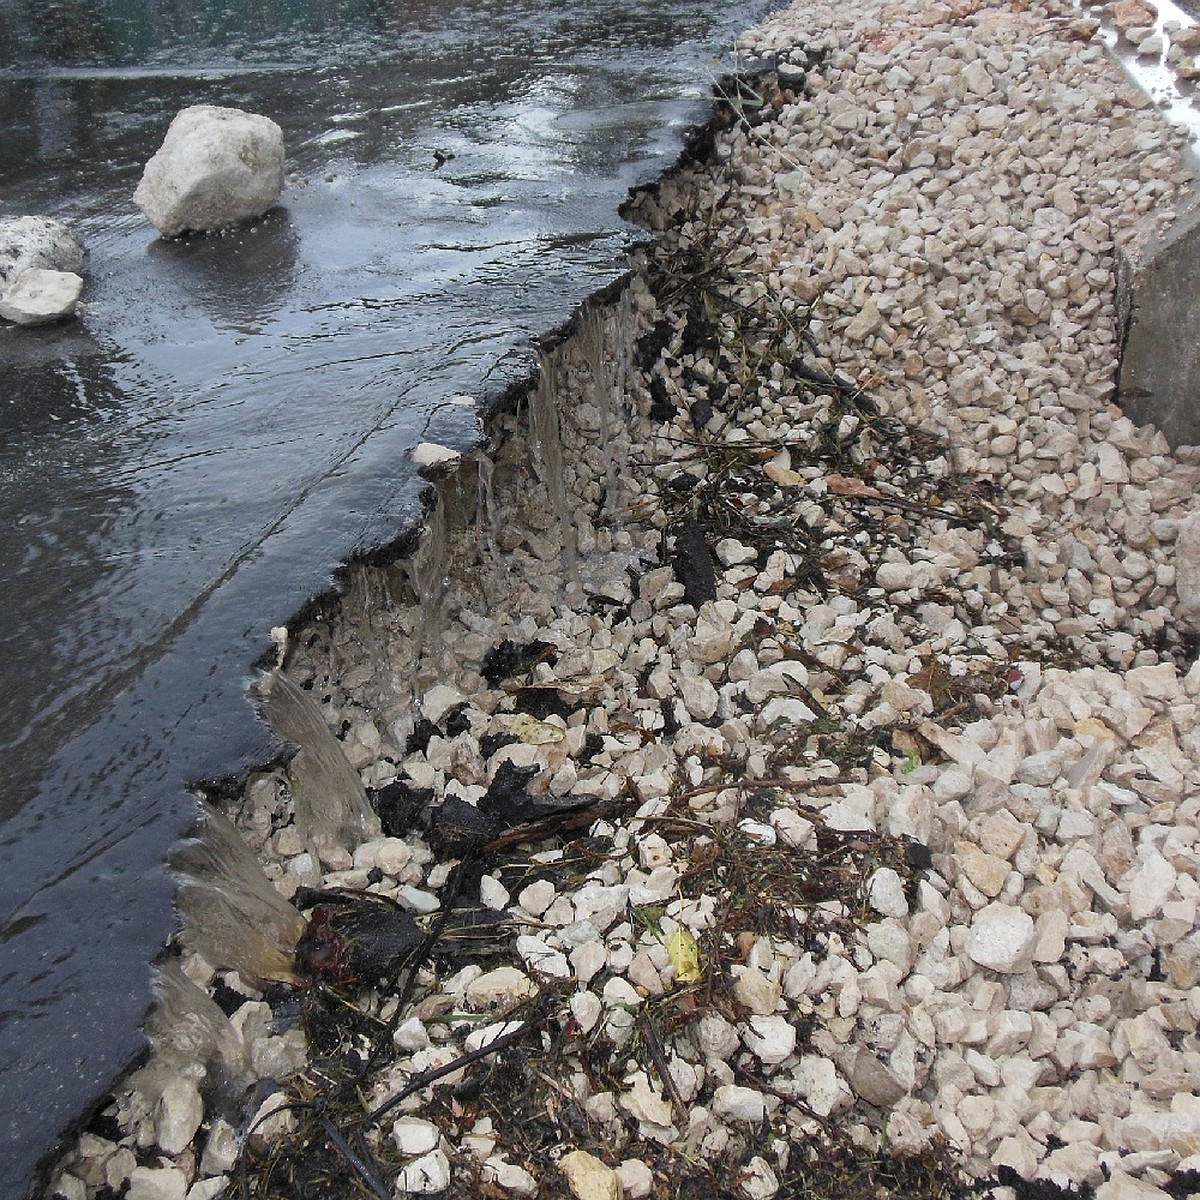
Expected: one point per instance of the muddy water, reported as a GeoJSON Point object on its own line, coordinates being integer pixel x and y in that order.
{"type": "Point", "coordinates": [230, 418]}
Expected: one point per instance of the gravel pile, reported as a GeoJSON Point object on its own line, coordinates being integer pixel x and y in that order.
{"type": "Point", "coordinates": [822, 578]}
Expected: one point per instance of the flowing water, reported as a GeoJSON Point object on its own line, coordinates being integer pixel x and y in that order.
{"type": "Point", "coordinates": [230, 418]}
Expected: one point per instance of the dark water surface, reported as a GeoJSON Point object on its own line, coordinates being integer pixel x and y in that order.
{"type": "Point", "coordinates": [230, 418]}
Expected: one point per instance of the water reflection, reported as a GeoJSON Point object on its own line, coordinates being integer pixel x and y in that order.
{"type": "Point", "coordinates": [55, 442]}
{"type": "Point", "coordinates": [240, 278]}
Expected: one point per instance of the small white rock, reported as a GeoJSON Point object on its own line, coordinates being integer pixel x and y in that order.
{"type": "Point", "coordinates": [180, 1111]}
{"type": "Point", "coordinates": [40, 297]}
{"type": "Point", "coordinates": [770, 1039]}
{"type": "Point", "coordinates": [885, 893]}
{"type": "Point", "coordinates": [426, 1175]}
{"type": "Point", "coordinates": [542, 958]}
{"type": "Point", "coordinates": [411, 1035]}
{"type": "Point", "coordinates": [478, 1038]}
{"type": "Point", "coordinates": [157, 1183]}
{"type": "Point", "coordinates": [414, 1136]}
{"type": "Point", "coordinates": [756, 991]}
{"type": "Point", "coordinates": [439, 700]}
{"type": "Point", "coordinates": [645, 1103]}
{"type": "Point", "coordinates": [587, 959]}
{"type": "Point", "coordinates": [1002, 938]}
{"type": "Point", "coordinates": [493, 894]}
{"type": "Point", "coordinates": [758, 1180]}
{"type": "Point", "coordinates": [715, 1037]}
{"type": "Point", "coordinates": [589, 1178]}
{"type": "Point", "coordinates": [417, 899]}
{"type": "Point", "coordinates": [425, 454]}
{"type": "Point", "coordinates": [821, 1085]}
{"type": "Point", "coordinates": [537, 897]}
{"type": "Point", "coordinates": [787, 710]}
{"type": "Point", "coordinates": [1151, 886]}
{"type": "Point", "coordinates": [732, 1102]}
{"type": "Point", "coordinates": [586, 1009]}
{"type": "Point", "coordinates": [513, 1179]}
{"type": "Point", "coordinates": [500, 988]}
{"type": "Point", "coordinates": [637, 1180]}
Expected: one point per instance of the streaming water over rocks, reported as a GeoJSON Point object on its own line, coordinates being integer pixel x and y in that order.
{"type": "Point", "coordinates": [230, 418]}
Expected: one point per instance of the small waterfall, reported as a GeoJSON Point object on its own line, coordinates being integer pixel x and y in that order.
{"type": "Point", "coordinates": [591, 363]}
{"type": "Point", "coordinates": [485, 511]}
{"type": "Point", "coordinates": [545, 442]}
{"type": "Point", "coordinates": [606, 343]}
{"type": "Point", "coordinates": [187, 1027]}
{"type": "Point", "coordinates": [330, 803]}
{"type": "Point", "coordinates": [427, 573]}
{"type": "Point", "coordinates": [230, 913]}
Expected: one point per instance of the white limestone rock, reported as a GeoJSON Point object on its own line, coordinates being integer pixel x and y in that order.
{"type": "Point", "coordinates": [715, 1037]}
{"type": "Point", "coordinates": [439, 700]}
{"type": "Point", "coordinates": [885, 893]}
{"type": "Point", "coordinates": [514, 1180]}
{"type": "Point", "coordinates": [1002, 939]}
{"type": "Point", "coordinates": [180, 1111]}
{"type": "Point", "coordinates": [536, 897]}
{"type": "Point", "coordinates": [1151, 886]}
{"type": "Point", "coordinates": [500, 988]}
{"type": "Point", "coordinates": [758, 992]}
{"type": "Point", "coordinates": [430, 454]}
{"type": "Point", "coordinates": [637, 1180]}
{"type": "Point", "coordinates": [541, 958]}
{"type": "Point", "coordinates": [821, 1085]}
{"type": "Point", "coordinates": [587, 959]}
{"type": "Point", "coordinates": [586, 1009]}
{"type": "Point", "coordinates": [390, 854]}
{"type": "Point", "coordinates": [217, 166]}
{"type": "Point", "coordinates": [221, 1148]}
{"type": "Point", "coordinates": [787, 710]}
{"type": "Point", "coordinates": [757, 1180]}
{"type": "Point", "coordinates": [414, 1136]}
{"type": "Point", "coordinates": [1124, 1187]}
{"type": "Point", "coordinates": [986, 871]}
{"type": "Point", "coordinates": [157, 1183]}
{"type": "Point", "coordinates": [589, 1178]}
{"type": "Point", "coordinates": [425, 1176]}
{"type": "Point", "coordinates": [40, 242]}
{"type": "Point", "coordinates": [645, 1103]}
{"type": "Point", "coordinates": [493, 894]}
{"type": "Point", "coordinates": [770, 1039]}
{"type": "Point", "coordinates": [732, 1102]}
{"type": "Point", "coordinates": [601, 904]}
{"type": "Point", "coordinates": [40, 297]}
{"type": "Point", "coordinates": [699, 696]}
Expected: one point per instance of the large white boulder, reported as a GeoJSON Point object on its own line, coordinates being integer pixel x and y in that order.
{"type": "Point", "coordinates": [37, 242]}
{"type": "Point", "coordinates": [38, 297]}
{"type": "Point", "coordinates": [216, 167]}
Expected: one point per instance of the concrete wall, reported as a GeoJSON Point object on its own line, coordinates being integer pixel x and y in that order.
{"type": "Point", "coordinates": [1158, 306]}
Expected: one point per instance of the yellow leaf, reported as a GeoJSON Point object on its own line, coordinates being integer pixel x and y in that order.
{"type": "Point", "coordinates": [684, 955]}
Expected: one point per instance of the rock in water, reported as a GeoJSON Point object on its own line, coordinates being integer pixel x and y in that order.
{"type": "Point", "coordinates": [38, 297]}
{"type": "Point", "coordinates": [216, 166]}
{"type": "Point", "coordinates": [37, 242]}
